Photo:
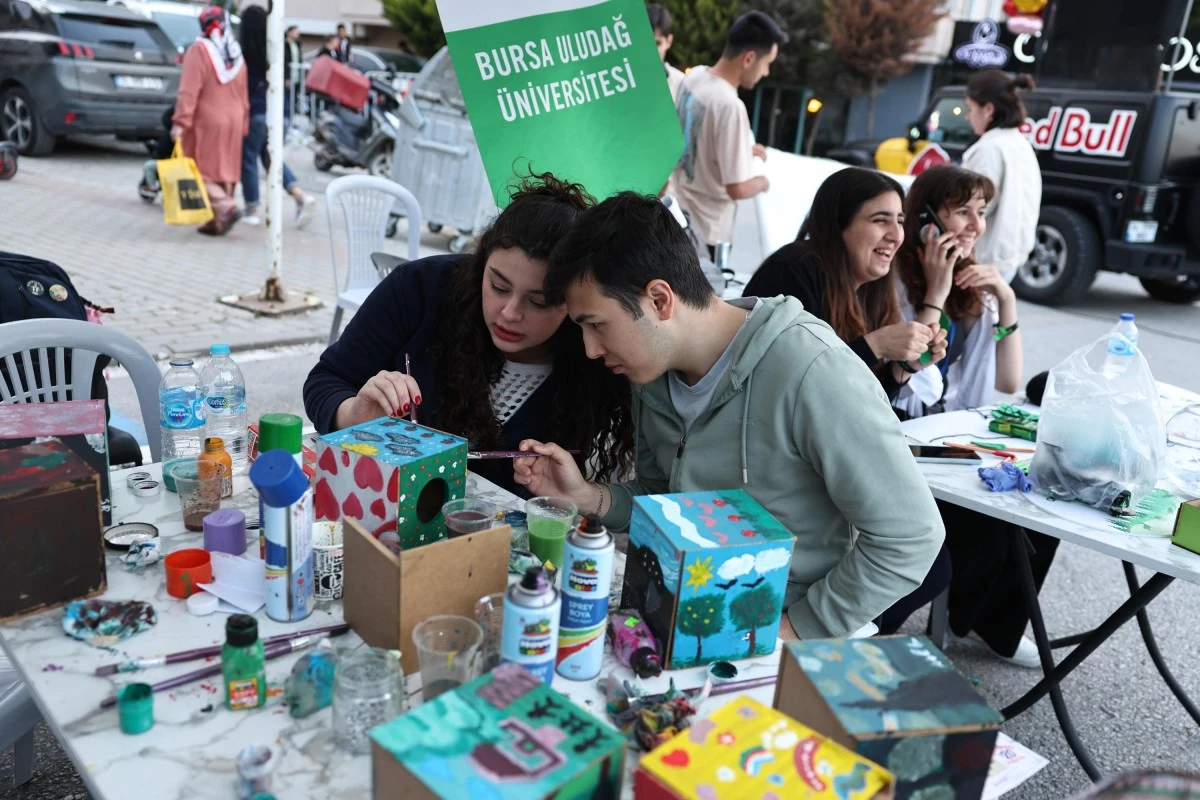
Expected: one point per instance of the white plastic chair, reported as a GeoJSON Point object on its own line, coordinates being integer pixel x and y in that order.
{"type": "Point", "coordinates": [366, 203]}
{"type": "Point", "coordinates": [49, 340]}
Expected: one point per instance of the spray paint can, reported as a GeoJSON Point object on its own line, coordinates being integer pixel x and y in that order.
{"type": "Point", "coordinates": [530, 634]}
{"type": "Point", "coordinates": [587, 570]}
{"type": "Point", "coordinates": [287, 523]}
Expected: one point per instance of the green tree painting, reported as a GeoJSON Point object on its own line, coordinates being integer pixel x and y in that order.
{"type": "Point", "coordinates": [703, 615]}
{"type": "Point", "coordinates": [755, 608]}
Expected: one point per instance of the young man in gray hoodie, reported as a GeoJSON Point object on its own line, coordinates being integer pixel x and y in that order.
{"type": "Point", "coordinates": [756, 394]}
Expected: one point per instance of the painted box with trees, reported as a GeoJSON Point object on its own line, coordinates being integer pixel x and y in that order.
{"type": "Point", "coordinates": [708, 571]}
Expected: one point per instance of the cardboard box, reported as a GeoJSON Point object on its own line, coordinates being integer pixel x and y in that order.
{"type": "Point", "coordinates": [385, 595]}
{"type": "Point", "coordinates": [707, 570]}
{"type": "Point", "coordinates": [346, 85]}
{"type": "Point", "coordinates": [504, 736]}
{"type": "Point", "coordinates": [897, 701]}
{"type": "Point", "coordinates": [752, 751]}
{"type": "Point", "coordinates": [1187, 526]}
{"type": "Point", "coordinates": [79, 424]}
{"type": "Point", "coordinates": [52, 535]}
{"type": "Point", "coordinates": [392, 476]}
{"type": "Point", "coordinates": [307, 451]}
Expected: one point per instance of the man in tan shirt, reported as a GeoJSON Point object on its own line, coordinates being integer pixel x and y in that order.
{"type": "Point", "coordinates": [717, 166]}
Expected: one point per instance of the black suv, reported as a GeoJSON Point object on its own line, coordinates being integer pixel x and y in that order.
{"type": "Point", "coordinates": [78, 67]}
{"type": "Point", "coordinates": [1120, 186]}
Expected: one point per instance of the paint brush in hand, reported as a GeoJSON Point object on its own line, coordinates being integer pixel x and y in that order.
{"type": "Point", "coordinates": [408, 371]}
{"type": "Point", "coordinates": [475, 455]}
{"type": "Point", "coordinates": [213, 650]}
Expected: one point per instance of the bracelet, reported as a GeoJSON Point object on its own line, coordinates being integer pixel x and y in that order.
{"type": "Point", "coordinates": [904, 366]}
{"type": "Point", "coordinates": [1002, 331]}
{"type": "Point", "coordinates": [924, 306]}
{"type": "Point", "coordinates": [600, 500]}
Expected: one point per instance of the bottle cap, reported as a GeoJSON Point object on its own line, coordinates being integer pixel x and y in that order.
{"type": "Point", "coordinates": [278, 478]}
{"type": "Point", "coordinates": [219, 350]}
{"type": "Point", "coordinates": [241, 630]}
{"type": "Point", "coordinates": [225, 531]}
{"type": "Point", "coordinates": [214, 444]}
{"type": "Point", "coordinates": [181, 362]}
{"type": "Point", "coordinates": [135, 708]}
{"type": "Point", "coordinates": [592, 524]}
{"type": "Point", "coordinates": [535, 580]}
{"type": "Point", "coordinates": [279, 432]}
{"type": "Point", "coordinates": [201, 604]}
{"type": "Point", "coordinates": [1127, 316]}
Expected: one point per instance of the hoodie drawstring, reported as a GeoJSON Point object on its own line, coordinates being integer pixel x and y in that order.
{"type": "Point", "coordinates": [745, 424]}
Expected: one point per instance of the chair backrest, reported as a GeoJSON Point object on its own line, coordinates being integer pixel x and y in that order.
{"type": "Point", "coordinates": [45, 342]}
{"type": "Point", "coordinates": [366, 202]}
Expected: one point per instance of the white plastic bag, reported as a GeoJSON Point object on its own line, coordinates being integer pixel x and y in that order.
{"type": "Point", "coordinates": [1101, 438]}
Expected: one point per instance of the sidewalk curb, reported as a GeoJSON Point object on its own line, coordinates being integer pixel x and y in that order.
{"type": "Point", "coordinates": [243, 347]}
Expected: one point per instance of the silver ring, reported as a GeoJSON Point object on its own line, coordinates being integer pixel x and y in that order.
{"type": "Point", "coordinates": [137, 477]}
{"type": "Point", "coordinates": [146, 489]}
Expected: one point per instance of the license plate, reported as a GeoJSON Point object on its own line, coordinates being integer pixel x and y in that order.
{"type": "Point", "coordinates": [1141, 230]}
{"type": "Point", "coordinates": [139, 82]}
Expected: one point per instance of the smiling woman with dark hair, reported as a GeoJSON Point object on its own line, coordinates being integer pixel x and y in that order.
{"type": "Point", "coordinates": [492, 359]}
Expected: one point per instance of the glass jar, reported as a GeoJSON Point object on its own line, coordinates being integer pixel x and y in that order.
{"type": "Point", "coordinates": [368, 690]}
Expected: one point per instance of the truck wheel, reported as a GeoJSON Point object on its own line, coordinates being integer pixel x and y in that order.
{"type": "Point", "coordinates": [1184, 289]}
{"type": "Point", "coordinates": [19, 124]}
{"type": "Point", "coordinates": [1066, 254]}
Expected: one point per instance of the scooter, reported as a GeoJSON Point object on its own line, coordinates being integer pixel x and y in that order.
{"type": "Point", "coordinates": [346, 138]}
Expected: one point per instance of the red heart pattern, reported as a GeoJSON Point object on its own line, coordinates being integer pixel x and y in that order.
{"type": "Point", "coordinates": [324, 501]}
{"type": "Point", "coordinates": [345, 458]}
{"type": "Point", "coordinates": [327, 462]}
{"type": "Point", "coordinates": [719, 503]}
{"type": "Point", "coordinates": [367, 474]}
{"type": "Point", "coordinates": [709, 522]}
{"type": "Point", "coordinates": [393, 487]}
{"type": "Point", "coordinates": [379, 509]}
{"type": "Point", "coordinates": [734, 518]}
{"type": "Point", "coordinates": [352, 507]}
{"type": "Point", "coordinates": [748, 534]}
{"type": "Point", "coordinates": [677, 758]}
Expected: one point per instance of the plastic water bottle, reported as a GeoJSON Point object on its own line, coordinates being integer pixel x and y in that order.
{"type": "Point", "coordinates": [181, 411]}
{"type": "Point", "coordinates": [225, 398]}
{"type": "Point", "coordinates": [1122, 346]}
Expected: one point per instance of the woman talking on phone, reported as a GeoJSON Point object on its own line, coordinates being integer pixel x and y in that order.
{"type": "Point", "coordinates": [943, 283]}
{"type": "Point", "coordinates": [491, 360]}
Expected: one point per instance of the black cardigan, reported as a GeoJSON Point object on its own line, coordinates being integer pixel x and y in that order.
{"type": "Point", "coordinates": [401, 316]}
{"type": "Point", "coordinates": [795, 270]}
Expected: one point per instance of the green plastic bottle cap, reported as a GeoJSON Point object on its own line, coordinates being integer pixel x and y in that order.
{"type": "Point", "coordinates": [135, 708]}
{"type": "Point", "coordinates": [279, 432]}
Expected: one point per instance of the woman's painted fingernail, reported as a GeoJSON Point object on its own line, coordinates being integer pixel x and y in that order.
{"type": "Point", "coordinates": [406, 407]}
{"type": "Point", "coordinates": [418, 400]}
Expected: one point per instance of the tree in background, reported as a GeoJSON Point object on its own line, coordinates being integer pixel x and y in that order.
{"type": "Point", "coordinates": [418, 20]}
{"type": "Point", "coordinates": [873, 39]}
{"type": "Point", "coordinates": [700, 27]}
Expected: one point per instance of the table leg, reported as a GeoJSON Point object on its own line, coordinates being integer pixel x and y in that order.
{"type": "Point", "coordinates": [1152, 648]}
{"type": "Point", "coordinates": [1046, 685]}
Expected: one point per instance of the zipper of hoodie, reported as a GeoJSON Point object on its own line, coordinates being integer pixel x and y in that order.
{"type": "Point", "coordinates": [678, 462]}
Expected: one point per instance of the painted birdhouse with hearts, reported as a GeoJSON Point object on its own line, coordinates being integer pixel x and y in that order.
{"type": "Point", "coordinates": [708, 571]}
{"type": "Point", "coordinates": [391, 476]}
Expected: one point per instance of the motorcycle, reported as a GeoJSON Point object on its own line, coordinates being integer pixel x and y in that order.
{"type": "Point", "coordinates": [347, 138]}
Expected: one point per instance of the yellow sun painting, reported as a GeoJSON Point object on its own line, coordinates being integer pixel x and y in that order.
{"type": "Point", "coordinates": [699, 573]}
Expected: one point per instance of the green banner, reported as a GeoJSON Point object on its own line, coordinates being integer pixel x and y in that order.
{"type": "Point", "coordinates": [576, 89]}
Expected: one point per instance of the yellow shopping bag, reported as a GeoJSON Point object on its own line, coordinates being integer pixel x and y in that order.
{"type": "Point", "coordinates": [185, 201]}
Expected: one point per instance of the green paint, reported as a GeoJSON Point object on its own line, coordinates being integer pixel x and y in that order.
{"type": "Point", "coordinates": [1153, 508]}
{"type": "Point", "coordinates": [242, 664]}
{"type": "Point", "coordinates": [547, 538]}
{"type": "Point", "coordinates": [49, 461]}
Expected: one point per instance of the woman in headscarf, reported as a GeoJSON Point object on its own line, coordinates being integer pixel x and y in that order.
{"type": "Point", "coordinates": [212, 114]}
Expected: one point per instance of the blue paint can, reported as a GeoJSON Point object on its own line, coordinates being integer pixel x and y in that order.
{"type": "Point", "coordinates": [587, 570]}
{"type": "Point", "coordinates": [530, 634]}
{"type": "Point", "coordinates": [286, 504]}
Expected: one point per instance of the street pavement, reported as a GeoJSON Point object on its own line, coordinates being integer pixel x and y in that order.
{"type": "Point", "coordinates": [80, 209]}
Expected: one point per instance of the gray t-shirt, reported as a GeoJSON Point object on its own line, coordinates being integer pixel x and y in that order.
{"type": "Point", "coordinates": [692, 401]}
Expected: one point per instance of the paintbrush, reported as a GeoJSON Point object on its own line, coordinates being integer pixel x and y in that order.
{"type": "Point", "coordinates": [274, 651]}
{"type": "Point", "coordinates": [734, 686]}
{"type": "Point", "coordinates": [408, 371]}
{"type": "Point", "coordinates": [476, 455]}
{"type": "Point", "coordinates": [214, 650]}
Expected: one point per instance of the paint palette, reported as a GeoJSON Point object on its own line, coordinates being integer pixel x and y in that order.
{"type": "Point", "coordinates": [393, 477]}
{"type": "Point", "coordinates": [708, 571]}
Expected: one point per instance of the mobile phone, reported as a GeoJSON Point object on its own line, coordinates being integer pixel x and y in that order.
{"type": "Point", "coordinates": [936, 454]}
{"type": "Point", "coordinates": [929, 216]}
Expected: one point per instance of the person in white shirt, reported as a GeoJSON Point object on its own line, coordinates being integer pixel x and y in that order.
{"type": "Point", "coordinates": [716, 168]}
{"type": "Point", "coordinates": [1004, 156]}
{"type": "Point", "coordinates": [660, 23]}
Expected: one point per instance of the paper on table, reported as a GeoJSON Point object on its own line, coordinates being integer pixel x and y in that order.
{"type": "Point", "coordinates": [1012, 764]}
{"type": "Point", "coordinates": [239, 581]}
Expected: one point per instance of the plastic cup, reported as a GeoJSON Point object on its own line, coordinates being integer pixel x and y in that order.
{"type": "Point", "coordinates": [446, 647]}
{"type": "Point", "coordinates": [549, 519]}
{"type": "Point", "coordinates": [135, 708]}
{"type": "Point", "coordinates": [199, 484]}
{"type": "Point", "coordinates": [185, 569]}
{"type": "Point", "coordinates": [489, 613]}
{"type": "Point", "coordinates": [469, 516]}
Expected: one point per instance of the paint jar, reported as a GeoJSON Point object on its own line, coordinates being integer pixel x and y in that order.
{"type": "Point", "coordinates": [199, 484]}
{"type": "Point", "coordinates": [256, 771]}
{"type": "Point", "coordinates": [469, 515]}
{"type": "Point", "coordinates": [135, 707]}
{"type": "Point", "coordinates": [489, 613]}
{"type": "Point", "coordinates": [185, 569]}
{"type": "Point", "coordinates": [214, 450]}
{"type": "Point", "coordinates": [446, 646]}
{"type": "Point", "coordinates": [368, 690]}
{"type": "Point", "coordinates": [548, 520]}
{"type": "Point", "coordinates": [242, 664]}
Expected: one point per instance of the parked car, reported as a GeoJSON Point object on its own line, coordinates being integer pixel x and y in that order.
{"type": "Point", "coordinates": [379, 59]}
{"type": "Point", "coordinates": [1120, 185]}
{"type": "Point", "coordinates": [78, 67]}
{"type": "Point", "coordinates": [179, 20]}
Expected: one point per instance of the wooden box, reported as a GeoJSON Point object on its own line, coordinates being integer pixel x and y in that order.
{"type": "Point", "coordinates": [393, 477]}
{"type": "Point", "coordinates": [897, 701]}
{"type": "Point", "coordinates": [385, 595]}
{"type": "Point", "coordinates": [504, 736]}
{"type": "Point", "coordinates": [51, 533]}
{"type": "Point", "coordinates": [751, 751]}
{"type": "Point", "coordinates": [79, 424]}
{"type": "Point", "coordinates": [708, 571]}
